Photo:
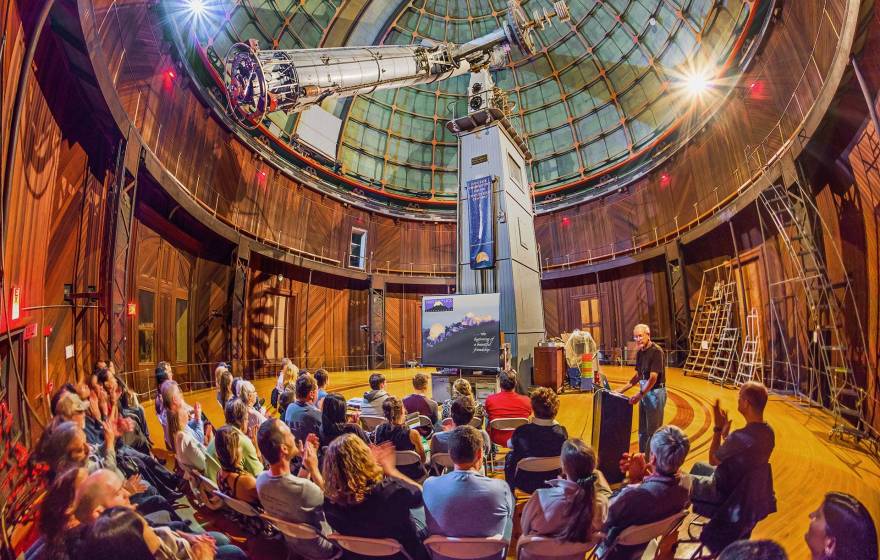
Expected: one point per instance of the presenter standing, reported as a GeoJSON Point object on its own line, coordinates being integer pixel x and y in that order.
{"type": "Point", "coordinates": [651, 378]}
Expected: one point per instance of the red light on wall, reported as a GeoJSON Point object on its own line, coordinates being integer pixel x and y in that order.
{"type": "Point", "coordinates": [171, 74]}
{"type": "Point", "coordinates": [665, 180]}
{"type": "Point", "coordinates": [131, 309]}
{"type": "Point", "coordinates": [756, 89]}
{"type": "Point", "coordinates": [15, 314]}
{"type": "Point", "coordinates": [566, 221]}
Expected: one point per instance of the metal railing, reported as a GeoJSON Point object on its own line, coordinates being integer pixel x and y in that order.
{"type": "Point", "coordinates": [195, 376]}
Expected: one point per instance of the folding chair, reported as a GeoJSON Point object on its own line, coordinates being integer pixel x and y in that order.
{"type": "Point", "coordinates": [374, 548]}
{"type": "Point", "coordinates": [533, 547]}
{"type": "Point", "coordinates": [208, 488]}
{"type": "Point", "coordinates": [370, 423]}
{"type": "Point", "coordinates": [406, 458]}
{"type": "Point", "coordinates": [201, 487]}
{"type": "Point", "coordinates": [295, 531]}
{"type": "Point", "coordinates": [551, 466]}
{"type": "Point", "coordinates": [442, 460]}
{"type": "Point", "coordinates": [638, 535]}
{"type": "Point", "coordinates": [465, 548]}
{"type": "Point", "coordinates": [247, 514]}
{"type": "Point", "coordinates": [425, 422]}
{"type": "Point", "coordinates": [505, 424]}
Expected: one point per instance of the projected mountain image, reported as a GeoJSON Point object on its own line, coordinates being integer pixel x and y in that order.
{"type": "Point", "coordinates": [471, 342]}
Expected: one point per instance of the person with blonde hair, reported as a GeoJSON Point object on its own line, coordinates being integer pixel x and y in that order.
{"type": "Point", "coordinates": [461, 388]}
{"type": "Point", "coordinates": [366, 496]}
{"type": "Point", "coordinates": [286, 377]}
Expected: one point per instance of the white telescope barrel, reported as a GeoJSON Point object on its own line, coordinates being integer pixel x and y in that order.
{"type": "Point", "coordinates": [349, 71]}
{"type": "Point", "coordinates": [259, 82]}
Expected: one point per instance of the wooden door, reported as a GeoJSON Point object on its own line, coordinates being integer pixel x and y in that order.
{"type": "Point", "coordinates": [162, 330]}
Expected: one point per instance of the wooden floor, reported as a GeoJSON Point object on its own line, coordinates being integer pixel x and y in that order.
{"type": "Point", "coordinates": [806, 464]}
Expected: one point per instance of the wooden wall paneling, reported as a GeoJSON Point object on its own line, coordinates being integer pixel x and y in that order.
{"type": "Point", "coordinates": [356, 344]}
{"type": "Point", "coordinates": [209, 310]}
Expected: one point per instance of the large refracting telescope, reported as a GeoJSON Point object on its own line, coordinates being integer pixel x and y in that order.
{"type": "Point", "coordinates": [263, 81]}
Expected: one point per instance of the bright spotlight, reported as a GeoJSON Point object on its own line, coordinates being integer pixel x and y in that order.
{"type": "Point", "coordinates": [197, 7]}
{"type": "Point", "coordinates": [696, 84]}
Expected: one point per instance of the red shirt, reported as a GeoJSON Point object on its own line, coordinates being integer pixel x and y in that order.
{"type": "Point", "coordinates": [506, 404]}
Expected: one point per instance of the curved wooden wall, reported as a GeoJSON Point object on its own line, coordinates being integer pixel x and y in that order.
{"type": "Point", "coordinates": [226, 177]}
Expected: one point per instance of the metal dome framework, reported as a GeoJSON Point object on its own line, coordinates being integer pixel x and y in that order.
{"type": "Point", "coordinates": [596, 98]}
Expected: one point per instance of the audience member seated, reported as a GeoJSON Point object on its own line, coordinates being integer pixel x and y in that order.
{"type": "Point", "coordinates": [163, 373]}
{"type": "Point", "coordinates": [287, 376]}
{"type": "Point", "coordinates": [189, 436]}
{"type": "Point", "coordinates": [461, 388]}
{"type": "Point", "coordinates": [122, 529]}
{"type": "Point", "coordinates": [401, 436]}
{"type": "Point", "coordinates": [297, 499]}
{"type": "Point", "coordinates": [172, 404]}
{"type": "Point", "coordinates": [462, 410]}
{"type": "Point", "coordinates": [224, 386]}
{"type": "Point", "coordinates": [464, 502]}
{"type": "Point", "coordinates": [366, 496]}
{"type": "Point", "coordinates": [334, 420]}
{"type": "Point", "coordinates": [236, 418]}
{"type": "Point", "coordinates": [69, 406]}
{"type": "Point", "coordinates": [542, 437]}
{"type": "Point", "coordinates": [735, 490]}
{"type": "Point", "coordinates": [56, 521]}
{"type": "Point", "coordinates": [322, 377]}
{"type": "Point", "coordinates": [655, 492]}
{"type": "Point", "coordinates": [754, 550]}
{"type": "Point", "coordinates": [841, 529]}
{"type": "Point", "coordinates": [419, 402]}
{"type": "Point", "coordinates": [63, 446]}
{"type": "Point", "coordinates": [231, 479]}
{"type": "Point", "coordinates": [138, 436]}
{"type": "Point", "coordinates": [574, 508]}
{"type": "Point", "coordinates": [302, 415]}
{"type": "Point", "coordinates": [506, 403]}
{"type": "Point", "coordinates": [248, 394]}
{"type": "Point", "coordinates": [104, 490]}
{"type": "Point", "coordinates": [373, 399]}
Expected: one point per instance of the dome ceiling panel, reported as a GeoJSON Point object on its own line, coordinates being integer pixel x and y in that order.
{"type": "Point", "coordinates": [594, 96]}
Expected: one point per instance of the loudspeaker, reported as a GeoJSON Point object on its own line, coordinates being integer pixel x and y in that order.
{"type": "Point", "coordinates": [612, 426]}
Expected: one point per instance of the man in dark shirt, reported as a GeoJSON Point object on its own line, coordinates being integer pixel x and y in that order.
{"type": "Point", "coordinates": [735, 488]}
{"type": "Point", "coordinates": [651, 378]}
{"type": "Point", "coordinates": [542, 437]}
{"type": "Point", "coordinates": [652, 498]}
{"type": "Point", "coordinates": [302, 415]}
{"type": "Point", "coordinates": [419, 402]}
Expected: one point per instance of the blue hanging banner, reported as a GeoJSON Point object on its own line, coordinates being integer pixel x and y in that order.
{"type": "Point", "coordinates": [482, 228]}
